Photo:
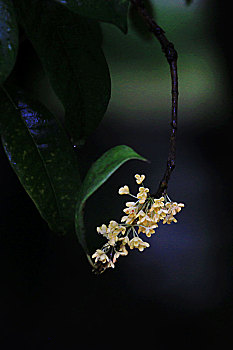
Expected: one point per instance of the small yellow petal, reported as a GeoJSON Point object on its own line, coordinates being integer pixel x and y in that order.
{"type": "Point", "coordinates": [124, 190]}
{"type": "Point", "coordinates": [139, 178]}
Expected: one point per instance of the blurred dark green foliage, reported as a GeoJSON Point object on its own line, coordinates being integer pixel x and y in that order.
{"type": "Point", "coordinates": [43, 150]}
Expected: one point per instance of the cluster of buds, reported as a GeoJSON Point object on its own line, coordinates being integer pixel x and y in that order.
{"type": "Point", "coordinates": [142, 216]}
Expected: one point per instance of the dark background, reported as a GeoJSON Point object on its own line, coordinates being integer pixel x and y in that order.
{"type": "Point", "coordinates": [179, 292]}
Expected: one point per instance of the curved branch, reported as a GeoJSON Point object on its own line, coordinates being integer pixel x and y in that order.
{"type": "Point", "coordinates": [171, 56]}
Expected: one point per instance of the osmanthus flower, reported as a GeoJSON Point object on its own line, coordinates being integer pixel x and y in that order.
{"type": "Point", "coordinates": [103, 230]}
{"type": "Point", "coordinates": [138, 243]}
{"type": "Point", "coordinates": [100, 256]}
{"type": "Point", "coordinates": [142, 194]}
{"type": "Point", "coordinates": [124, 190]}
{"type": "Point", "coordinates": [131, 209]}
{"type": "Point", "coordinates": [141, 217]}
{"type": "Point", "coordinates": [174, 207]}
{"type": "Point", "coordinates": [149, 230]}
{"type": "Point", "coordinates": [111, 232]}
{"type": "Point", "coordinates": [139, 178]}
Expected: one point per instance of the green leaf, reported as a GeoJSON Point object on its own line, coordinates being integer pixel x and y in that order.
{"type": "Point", "coordinates": [42, 157]}
{"type": "Point", "coordinates": [8, 39]}
{"type": "Point", "coordinates": [99, 172]}
{"type": "Point", "coordinates": [112, 11]}
{"type": "Point", "coordinates": [69, 47]}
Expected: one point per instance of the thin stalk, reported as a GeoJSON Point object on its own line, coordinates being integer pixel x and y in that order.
{"type": "Point", "coordinates": [171, 56]}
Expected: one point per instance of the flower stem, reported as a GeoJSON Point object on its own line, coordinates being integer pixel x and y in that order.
{"type": "Point", "coordinates": [171, 56]}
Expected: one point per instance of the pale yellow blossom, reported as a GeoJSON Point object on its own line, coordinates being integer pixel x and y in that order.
{"type": "Point", "coordinates": [138, 243]}
{"type": "Point", "coordinates": [131, 209]}
{"type": "Point", "coordinates": [141, 216]}
{"type": "Point", "coordinates": [102, 230]}
{"type": "Point", "coordinates": [148, 230]}
{"type": "Point", "coordinates": [169, 219]}
{"type": "Point", "coordinates": [174, 207]}
{"type": "Point", "coordinates": [139, 178]}
{"type": "Point", "coordinates": [113, 226]}
{"type": "Point", "coordinates": [113, 230]}
{"type": "Point", "coordinates": [158, 203]}
{"type": "Point", "coordinates": [112, 239]}
{"type": "Point", "coordinates": [127, 219]}
{"type": "Point", "coordinates": [142, 194]}
{"type": "Point", "coordinates": [158, 214]}
{"type": "Point", "coordinates": [111, 264]}
{"type": "Point", "coordinates": [144, 218]}
{"type": "Point", "coordinates": [143, 190]}
{"type": "Point", "coordinates": [124, 190]}
{"type": "Point", "coordinates": [124, 240]}
{"type": "Point", "coordinates": [122, 251]}
{"type": "Point", "coordinates": [131, 204]}
{"type": "Point", "coordinates": [100, 255]}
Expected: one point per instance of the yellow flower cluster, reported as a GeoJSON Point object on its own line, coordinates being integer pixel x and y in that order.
{"type": "Point", "coordinates": [142, 216]}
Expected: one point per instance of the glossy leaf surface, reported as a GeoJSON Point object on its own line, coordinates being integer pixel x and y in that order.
{"type": "Point", "coordinates": [99, 172]}
{"type": "Point", "coordinates": [112, 11]}
{"type": "Point", "coordinates": [8, 39]}
{"type": "Point", "coordinates": [69, 47]}
{"type": "Point", "coordinates": [42, 157]}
